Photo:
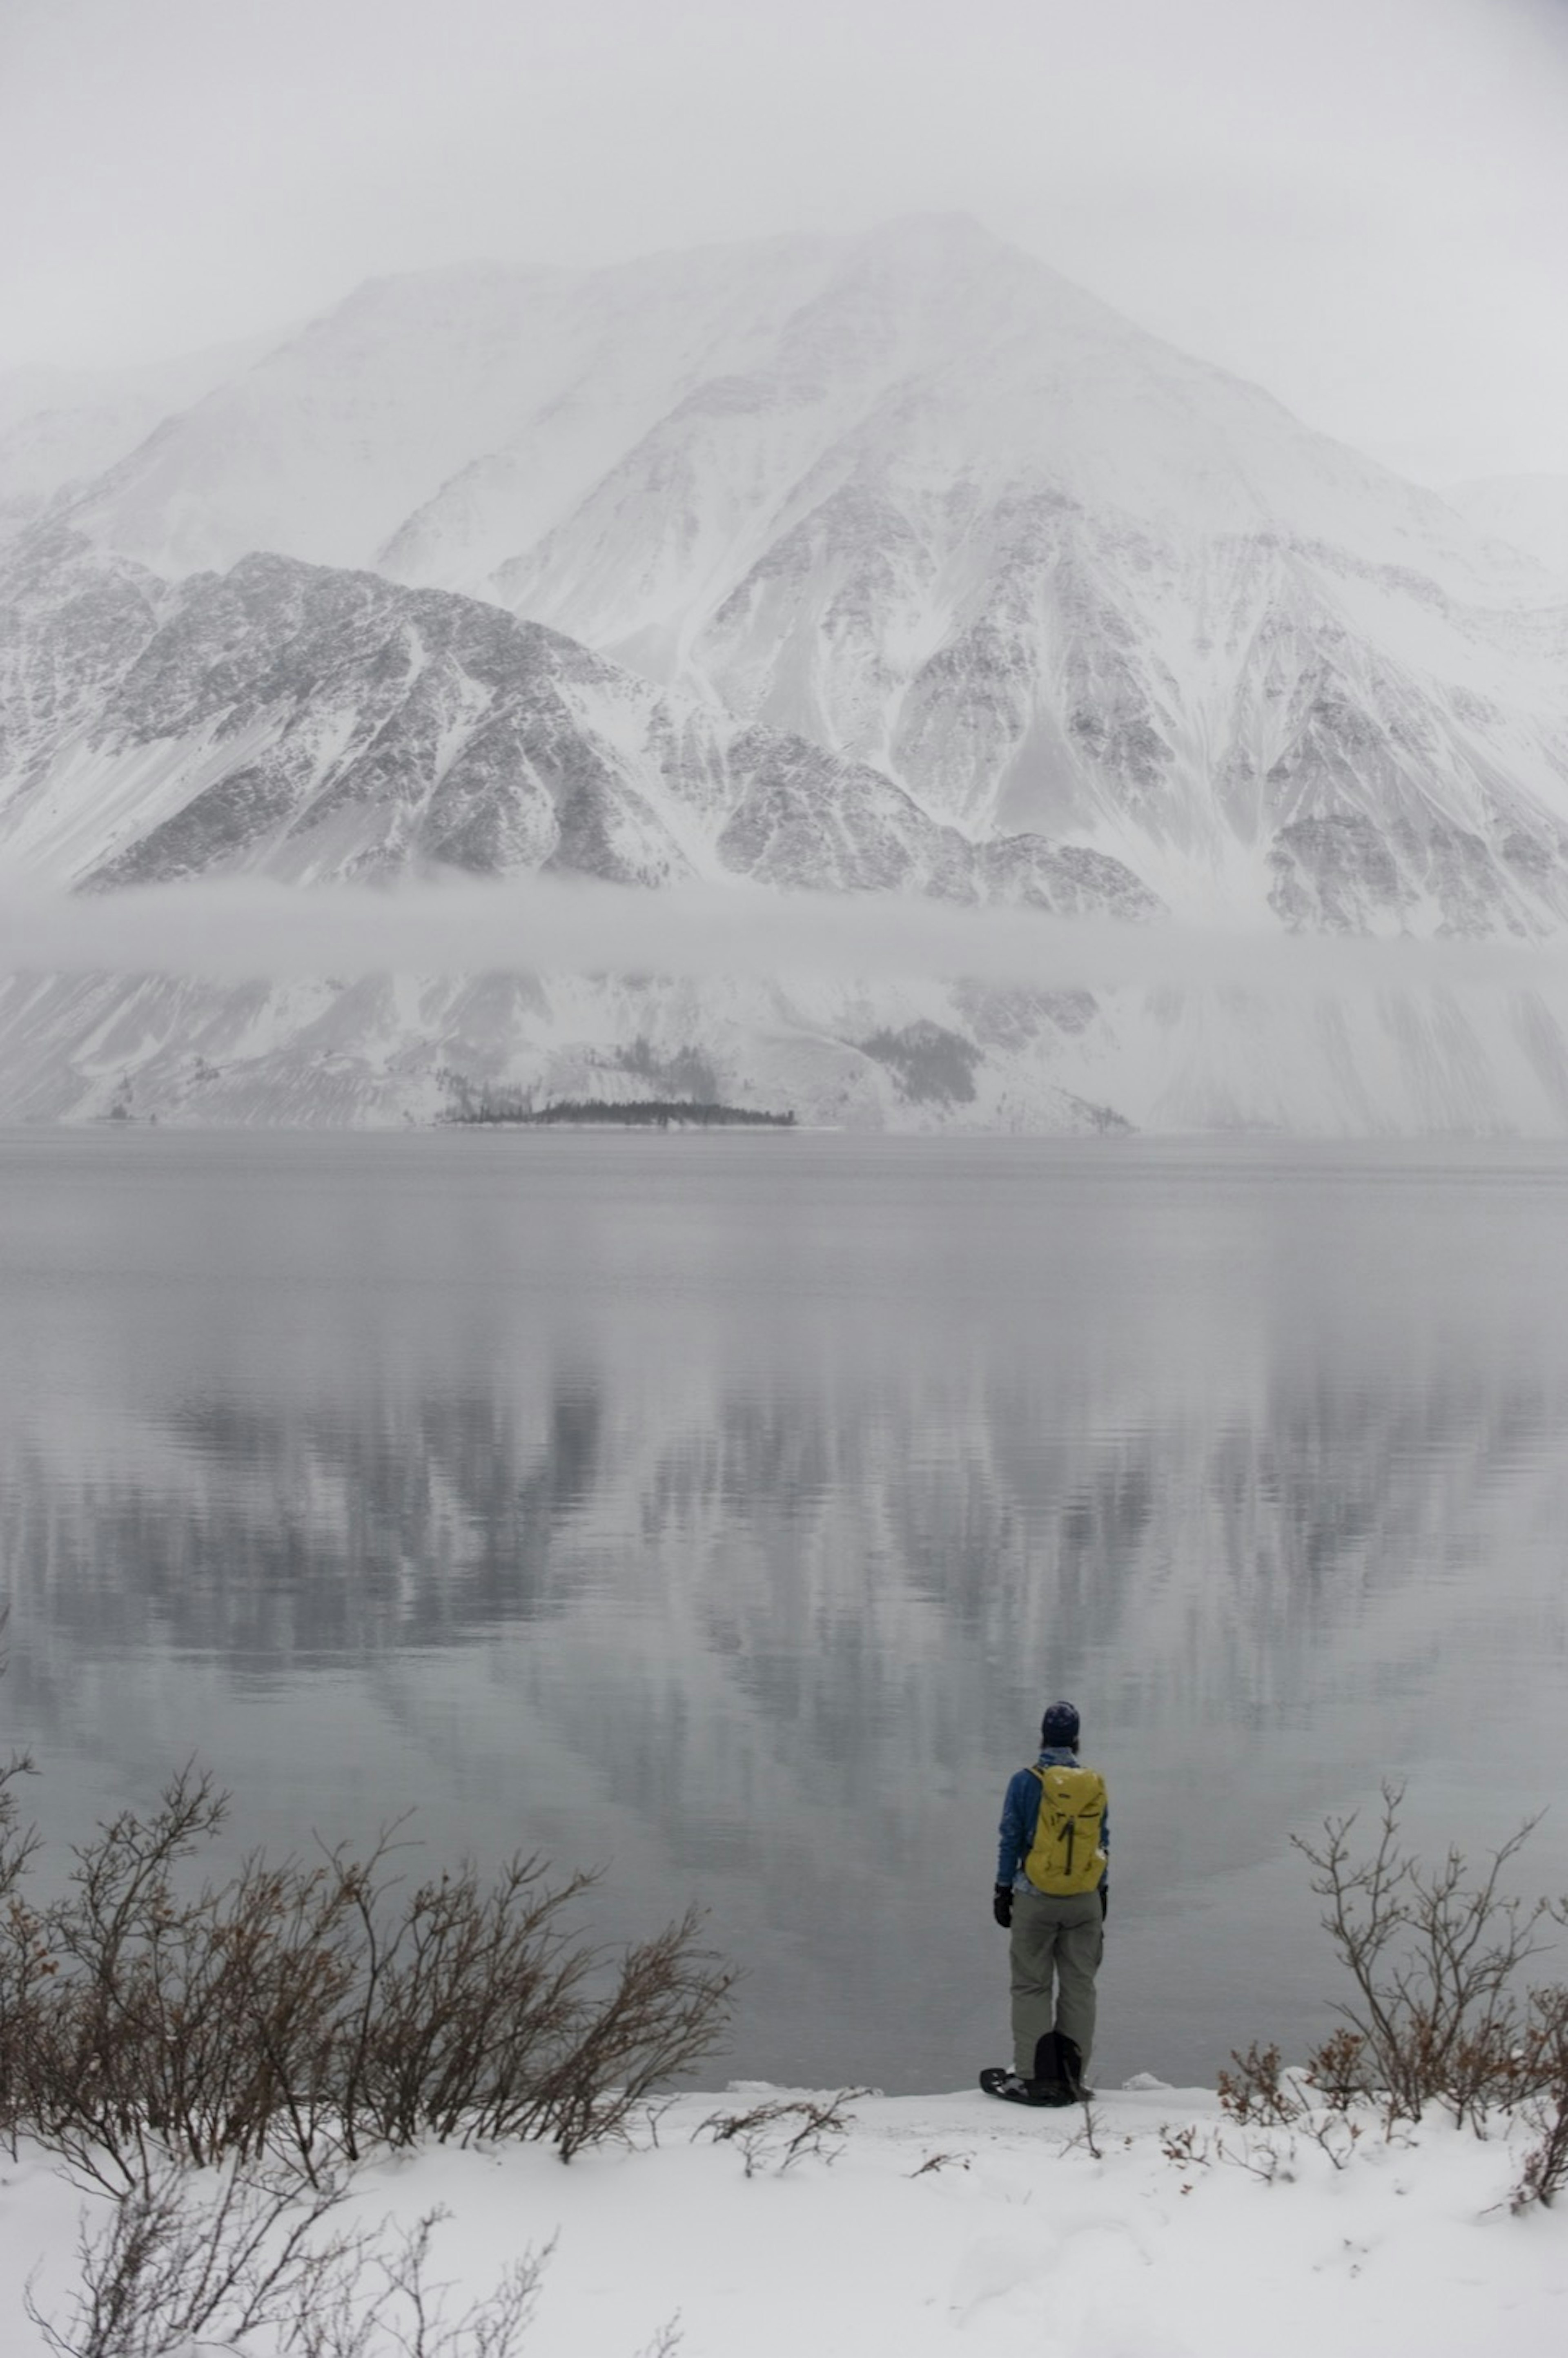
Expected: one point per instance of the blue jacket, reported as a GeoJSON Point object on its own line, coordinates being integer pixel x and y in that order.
{"type": "Point", "coordinates": [1020, 1814]}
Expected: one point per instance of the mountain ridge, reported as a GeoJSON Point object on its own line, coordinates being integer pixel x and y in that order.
{"type": "Point", "coordinates": [920, 501]}
{"type": "Point", "coordinates": [889, 563]}
{"type": "Point", "coordinates": [317, 725]}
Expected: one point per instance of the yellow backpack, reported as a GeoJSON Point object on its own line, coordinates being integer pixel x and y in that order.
{"type": "Point", "coordinates": [1066, 1853]}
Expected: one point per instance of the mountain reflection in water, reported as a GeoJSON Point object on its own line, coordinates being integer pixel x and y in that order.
{"type": "Point", "coordinates": [724, 1511]}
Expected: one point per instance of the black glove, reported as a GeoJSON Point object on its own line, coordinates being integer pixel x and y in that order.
{"type": "Point", "coordinates": [1105, 1899]}
{"type": "Point", "coordinates": [1002, 1904]}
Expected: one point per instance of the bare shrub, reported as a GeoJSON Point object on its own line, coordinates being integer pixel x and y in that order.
{"type": "Point", "coordinates": [466, 2000]}
{"type": "Point", "coordinates": [1434, 1956]}
{"type": "Point", "coordinates": [1188, 2149]}
{"type": "Point", "coordinates": [667, 2011]}
{"type": "Point", "coordinates": [171, 2264]}
{"type": "Point", "coordinates": [191, 2024]}
{"type": "Point", "coordinates": [1338, 2069]}
{"type": "Point", "coordinates": [25, 1964]}
{"type": "Point", "coordinates": [249, 2257]}
{"type": "Point", "coordinates": [667, 2340]}
{"type": "Point", "coordinates": [95, 2041]}
{"type": "Point", "coordinates": [1263, 2099]}
{"type": "Point", "coordinates": [1334, 2135]}
{"type": "Point", "coordinates": [1545, 2064]}
{"type": "Point", "coordinates": [1086, 2135]}
{"type": "Point", "coordinates": [775, 2134]}
{"type": "Point", "coordinates": [17, 1842]}
{"type": "Point", "coordinates": [406, 2313]}
{"type": "Point", "coordinates": [1266, 2155]}
{"type": "Point", "coordinates": [316, 2012]}
{"type": "Point", "coordinates": [1260, 2090]}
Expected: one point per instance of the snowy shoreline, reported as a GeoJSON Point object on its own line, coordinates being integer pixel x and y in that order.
{"type": "Point", "coordinates": [949, 2223]}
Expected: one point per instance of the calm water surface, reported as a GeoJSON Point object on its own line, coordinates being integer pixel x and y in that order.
{"type": "Point", "coordinates": [722, 1510]}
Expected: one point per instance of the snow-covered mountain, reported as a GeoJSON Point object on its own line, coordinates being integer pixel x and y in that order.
{"type": "Point", "coordinates": [1529, 512]}
{"type": "Point", "coordinates": [905, 565]}
{"type": "Point", "coordinates": [917, 499]}
{"type": "Point", "coordinates": [61, 427]}
{"type": "Point", "coordinates": [321, 725]}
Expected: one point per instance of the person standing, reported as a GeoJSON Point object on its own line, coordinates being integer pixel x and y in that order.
{"type": "Point", "coordinates": [1052, 1893]}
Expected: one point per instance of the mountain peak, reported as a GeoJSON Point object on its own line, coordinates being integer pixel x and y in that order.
{"type": "Point", "coordinates": [953, 573]}
{"type": "Point", "coordinates": [937, 232]}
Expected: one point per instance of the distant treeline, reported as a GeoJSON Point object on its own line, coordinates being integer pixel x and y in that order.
{"type": "Point", "coordinates": [511, 1107]}
{"type": "Point", "coordinates": [661, 1112]}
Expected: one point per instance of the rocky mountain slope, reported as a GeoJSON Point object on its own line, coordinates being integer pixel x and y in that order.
{"type": "Point", "coordinates": [917, 499]}
{"type": "Point", "coordinates": [904, 566]}
{"type": "Point", "coordinates": [325, 726]}
{"type": "Point", "coordinates": [319, 726]}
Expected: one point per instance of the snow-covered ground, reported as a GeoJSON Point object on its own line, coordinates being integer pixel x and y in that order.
{"type": "Point", "coordinates": [950, 2224]}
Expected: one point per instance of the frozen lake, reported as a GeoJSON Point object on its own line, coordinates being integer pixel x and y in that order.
{"type": "Point", "coordinates": [722, 1508]}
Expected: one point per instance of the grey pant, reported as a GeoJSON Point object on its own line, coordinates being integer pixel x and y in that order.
{"type": "Point", "coordinates": [1053, 1935]}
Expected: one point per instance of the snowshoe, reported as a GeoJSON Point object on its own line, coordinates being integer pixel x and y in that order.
{"type": "Point", "coordinates": [1013, 2089]}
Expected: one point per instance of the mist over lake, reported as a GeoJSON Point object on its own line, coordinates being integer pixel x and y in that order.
{"type": "Point", "coordinates": [721, 1509]}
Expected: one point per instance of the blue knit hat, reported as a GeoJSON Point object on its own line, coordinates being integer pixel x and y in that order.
{"type": "Point", "coordinates": [1059, 1729]}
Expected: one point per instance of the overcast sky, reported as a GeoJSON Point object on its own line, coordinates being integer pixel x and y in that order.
{"type": "Point", "coordinates": [1361, 203]}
